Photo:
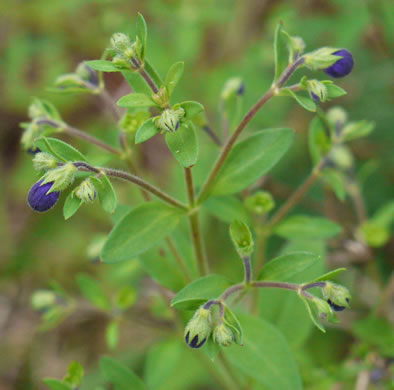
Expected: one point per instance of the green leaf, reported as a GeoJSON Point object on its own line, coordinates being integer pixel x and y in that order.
{"type": "Point", "coordinates": [329, 275]}
{"type": "Point", "coordinates": [147, 130]}
{"type": "Point", "coordinates": [56, 147]}
{"type": "Point", "coordinates": [142, 32]}
{"type": "Point", "coordinates": [183, 144]}
{"type": "Point", "coordinates": [71, 205]}
{"type": "Point", "coordinates": [304, 226]}
{"type": "Point", "coordinates": [136, 82]}
{"type": "Point", "coordinates": [74, 375]}
{"type": "Point", "coordinates": [265, 356]}
{"type": "Point", "coordinates": [173, 76]}
{"type": "Point", "coordinates": [358, 129]}
{"type": "Point", "coordinates": [337, 182]}
{"type": "Point", "coordinates": [102, 66]}
{"type": "Point", "coordinates": [226, 208]}
{"type": "Point", "coordinates": [211, 348]}
{"type": "Point", "coordinates": [319, 142]}
{"type": "Point", "coordinates": [133, 100]}
{"type": "Point", "coordinates": [55, 384]}
{"type": "Point", "coordinates": [285, 267]}
{"type": "Point", "coordinates": [199, 291]}
{"type": "Point", "coordinates": [252, 158]}
{"type": "Point", "coordinates": [303, 101]}
{"type": "Point", "coordinates": [153, 73]}
{"type": "Point", "coordinates": [92, 291]}
{"type": "Point", "coordinates": [125, 298]}
{"type": "Point", "coordinates": [120, 375]}
{"type": "Point", "coordinates": [106, 193]}
{"type": "Point", "coordinates": [112, 334]}
{"type": "Point", "coordinates": [280, 52]}
{"type": "Point", "coordinates": [139, 230]}
{"type": "Point", "coordinates": [333, 91]}
{"type": "Point", "coordinates": [191, 108]}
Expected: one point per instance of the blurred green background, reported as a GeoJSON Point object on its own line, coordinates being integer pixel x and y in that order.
{"type": "Point", "coordinates": [217, 39]}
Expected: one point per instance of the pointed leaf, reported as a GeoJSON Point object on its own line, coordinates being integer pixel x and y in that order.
{"type": "Point", "coordinates": [56, 147]}
{"type": "Point", "coordinates": [147, 130]}
{"type": "Point", "coordinates": [102, 66]}
{"type": "Point", "coordinates": [173, 76]}
{"type": "Point", "coordinates": [280, 52]}
{"type": "Point", "coordinates": [142, 32]}
{"type": "Point", "coordinates": [106, 193]}
{"type": "Point", "coordinates": [71, 205]}
{"type": "Point", "coordinates": [303, 101]}
{"type": "Point", "coordinates": [191, 108]}
{"type": "Point", "coordinates": [134, 100]}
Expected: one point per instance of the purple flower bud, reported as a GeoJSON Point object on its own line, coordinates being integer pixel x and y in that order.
{"type": "Point", "coordinates": [315, 97]}
{"type": "Point", "coordinates": [194, 343]}
{"type": "Point", "coordinates": [343, 66]}
{"type": "Point", "coordinates": [38, 198]}
{"type": "Point", "coordinates": [241, 90]}
{"type": "Point", "coordinates": [336, 307]}
{"type": "Point", "coordinates": [33, 150]}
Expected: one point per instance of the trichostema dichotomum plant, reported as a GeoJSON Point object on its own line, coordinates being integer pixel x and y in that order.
{"type": "Point", "coordinates": [150, 111]}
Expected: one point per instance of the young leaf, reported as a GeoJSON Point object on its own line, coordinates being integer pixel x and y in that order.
{"type": "Point", "coordinates": [153, 73]}
{"type": "Point", "coordinates": [139, 230]}
{"type": "Point", "coordinates": [303, 101]}
{"type": "Point", "coordinates": [112, 334]}
{"type": "Point", "coordinates": [318, 140]}
{"type": "Point", "coordinates": [280, 52]}
{"type": "Point", "coordinates": [147, 130]}
{"type": "Point", "coordinates": [285, 267]}
{"type": "Point", "coordinates": [120, 375]}
{"type": "Point", "coordinates": [60, 148]}
{"type": "Point", "coordinates": [183, 144]}
{"type": "Point", "coordinates": [133, 100]}
{"type": "Point", "coordinates": [310, 307]}
{"type": "Point", "coordinates": [74, 375]}
{"type": "Point", "coordinates": [173, 76]}
{"type": "Point", "coordinates": [102, 66]}
{"type": "Point", "coordinates": [136, 82]}
{"type": "Point", "coordinates": [265, 356]}
{"type": "Point", "coordinates": [71, 205]}
{"type": "Point", "coordinates": [106, 193]}
{"type": "Point", "coordinates": [333, 91]}
{"type": "Point", "coordinates": [92, 291]}
{"type": "Point", "coordinates": [304, 226]}
{"type": "Point", "coordinates": [199, 291]}
{"type": "Point", "coordinates": [191, 108]}
{"type": "Point", "coordinates": [55, 384]}
{"type": "Point", "coordinates": [252, 158]}
{"type": "Point", "coordinates": [226, 208]}
{"type": "Point", "coordinates": [142, 33]}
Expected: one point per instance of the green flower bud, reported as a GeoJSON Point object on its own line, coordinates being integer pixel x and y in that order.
{"type": "Point", "coordinates": [223, 335]}
{"type": "Point", "coordinates": [29, 135]}
{"type": "Point", "coordinates": [317, 90]}
{"type": "Point", "coordinates": [121, 62]}
{"type": "Point", "coordinates": [242, 238]}
{"type": "Point", "coordinates": [161, 98]}
{"type": "Point", "coordinates": [43, 299]}
{"type": "Point", "coordinates": [198, 328]}
{"type": "Point", "coordinates": [232, 87]}
{"type": "Point", "coordinates": [297, 44]}
{"type": "Point", "coordinates": [44, 161]}
{"type": "Point", "coordinates": [170, 119]}
{"type": "Point", "coordinates": [86, 191]}
{"type": "Point", "coordinates": [122, 45]}
{"type": "Point", "coordinates": [61, 177]}
{"type": "Point", "coordinates": [342, 157]}
{"type": "Point", "coordinates": [337, 296]}
{"type": "Point", "coordinates": [260, 202]}
{"type": "Point", "coordinates": [321, 58]}
{"type": "Point", "coordinates": [324, 310]}
{"type": "Point", "coordinates": [337, 115]}
{"type": "Point", "coordinates": [43, 109]}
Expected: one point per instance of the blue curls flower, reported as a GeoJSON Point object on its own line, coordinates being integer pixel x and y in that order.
{"type": "Point", "coordinates": [198, 328]}
{"type": "Point", "coordinates": [343, 66]}
{"type": "Point", "coordinates": [39, 199]}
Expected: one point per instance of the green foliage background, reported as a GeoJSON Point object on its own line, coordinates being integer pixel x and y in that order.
{"type": "Point", "coordinates": [217, 39]}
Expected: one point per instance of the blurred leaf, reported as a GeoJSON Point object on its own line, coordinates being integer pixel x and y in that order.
{"type": "Point", "coordinates": [112, 334]}
{"type": "Point", "coordinates": [55, 384]}
{"type": "Point", "coordinates": [336, 181]}
{"type": "Point", "coordinates": [133, 100]}
{"type": "Point", "coordinates": [173, 76]}
{"type": "Point", "coordinates": [299, 226]}
{"type": "Point", "coordinates": [358, 129]}
{"type": "Point", "coordinates": [106, 193]}
{"type": "Point", "coordinates": [199, 291]}
{"type": "Point", "coordinates": [226, 208]}
{"type": "Point", "coordinates": [319, 143]}
{"type": "Point", "coordinates": [92, 291]}
{"type": "Point", "coordinates": [304, 101]}
{"type": "Point", "coordinates": [252, 158]}
{"type": "Point", "coordinates": [119, 375]}
{"type": "Point", "coordinates": [280, 52]}
{"type": "Point", "coordinates": [142, 32]}
{"type": "Point", "coordinates": [183, 144]}
{"type": "Point", "coordinates": [265, 356]}
{"type": "Point", "coordinates": [71, 205]}
{"type": "Point", "coordinates": [74, 375]}
{"type": "Point", "coordinates": [56, 147]}
{"type": "Point", "coordinates": [285, 267]}
{"type": "Point", "coordinates": [102, 66]}
{"type": "Point", "coordinates": [231, 320]}
{"type": "Point", "coordinates": [139, 230]}
{"type": "Point", "coordinates": [125, 298]}
{"type": "Point", "coordinates": [147, 130]}
{"type": "Point", "coordinates": [191, 108]}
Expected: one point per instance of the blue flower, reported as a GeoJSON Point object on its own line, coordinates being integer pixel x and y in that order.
{"type": "Point", "coordinates": [39, 199]}
{"type": "Point", "coordinates": [343, 66]}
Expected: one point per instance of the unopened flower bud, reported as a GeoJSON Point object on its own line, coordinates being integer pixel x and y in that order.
{"type": "Point", "coordinates": [40, 199]}
{"type": "Point", "coordinates": [43, 299]}
{"type": "Point", "coordinates": [233, 86]}
{"type": "Point", "coordinates": [338, 297]}
{"type": "Point", "coordinates": [88, 74]}
{"type": "Point", "coordinates": [122, 45]}
{"type": "Point", "coordinates": [61, 177]}
{"type": "Point", "coordinates": [317, 90]}
{"type": "Point", "coordinates": [161, 97]}
{"type": "Point", "coordinates": [341, 157]}
{"type": "Point", "coordinates": [341, 67]}
{"type": "Point", "coordinates": [121, 62]}
{"type": "Point", "coordinates": [260, 202]}
{"type": "Point", "coordinates": [324, 310]}
{"type": "Point", "coordinates": [169, 120]}
{"type": "Point", "coordinates": [337, 115]}
{"type": "Point", "coordinates": [223, 335]}
{"type": "Point", "coordinates": [297, 44]}
{"type": "Point", "coordinates": [198, 328]}
{"type": "Point", "coordinates": [43, 161]}
{"type": "Point", "coordinates": [86, 191]}
{"type": "Point", "coordinates": [242, 238]}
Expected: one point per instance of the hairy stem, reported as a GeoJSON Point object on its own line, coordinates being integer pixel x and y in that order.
{"type": "Point", "coordinates": [135, 180]}
{"type": "Point", "coordinates": [247, 269]}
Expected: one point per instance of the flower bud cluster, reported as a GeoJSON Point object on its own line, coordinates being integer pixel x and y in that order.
{"type": "Point", "coordinates": [260, 202]}
{"type": "Point", "coordinates": [125, 51]}
{"type": "Point", "coordinates": [169, 120]}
